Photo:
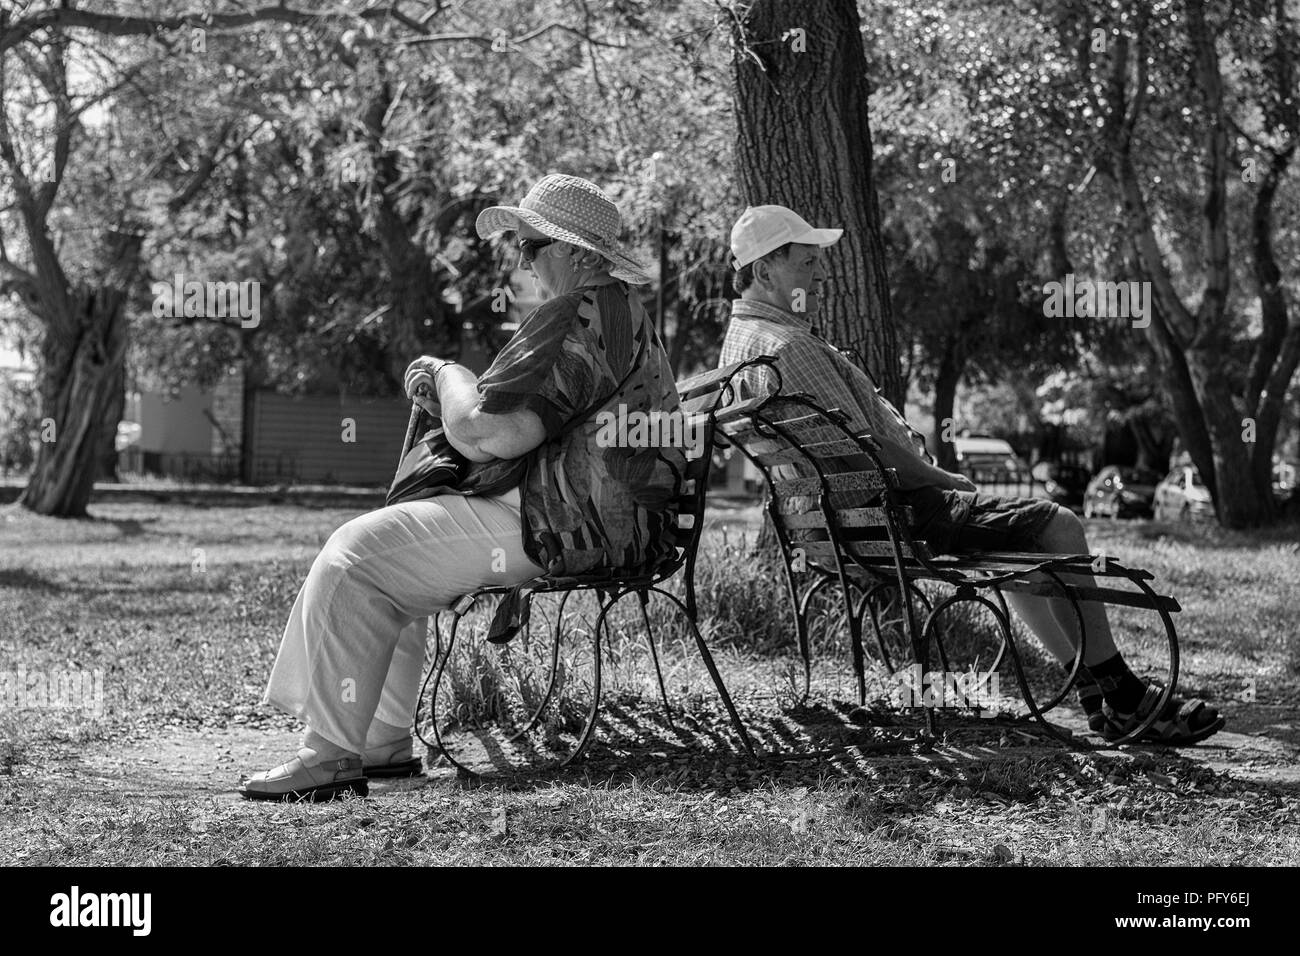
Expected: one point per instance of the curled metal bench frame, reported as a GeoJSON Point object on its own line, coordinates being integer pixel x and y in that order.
{"type": "Point", "coordinates": [782, 430]}
{"type": "Point", "coordinates": [701, 396]}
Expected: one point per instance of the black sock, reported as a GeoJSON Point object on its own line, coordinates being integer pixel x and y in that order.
{"type": "Point", "coordinates": [1122, 688]}
{"type": "Point", "coordinates": [1088, 690]}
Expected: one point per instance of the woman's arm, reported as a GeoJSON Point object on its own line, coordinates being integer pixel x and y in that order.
{"type": "Point", "coordinates": [479, 436]}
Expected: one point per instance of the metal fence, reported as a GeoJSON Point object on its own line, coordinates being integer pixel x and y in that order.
{"type": "Point", "coordinates": [202, 469]}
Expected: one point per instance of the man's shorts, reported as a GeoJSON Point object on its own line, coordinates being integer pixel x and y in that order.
{"type": "Point", "coordinates": [952, 521]}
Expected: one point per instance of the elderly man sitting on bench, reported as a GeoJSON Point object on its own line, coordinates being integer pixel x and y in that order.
{"type": "Point", "coordinates": [779, 271]}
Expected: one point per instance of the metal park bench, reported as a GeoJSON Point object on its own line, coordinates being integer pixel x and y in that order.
{"type": "Point", "coordinates": [701, 397]}
{"type": "Point", "coordinates": [842, 524]}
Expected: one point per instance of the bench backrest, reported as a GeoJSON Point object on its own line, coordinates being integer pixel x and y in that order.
{"type": "Point", "coordinates": [701, 397]}
{"type": "Point", "coordinates": [828, 488]}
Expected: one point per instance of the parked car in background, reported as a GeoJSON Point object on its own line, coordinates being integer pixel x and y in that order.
{"type": "Point", "coordinates": [1064, 484]}
{"type": "Point", "coordinates": [1286, 479]}
{"type": "Point", "coordinates": [990, 458]}
{"type": "Point", "coordinates": [993, 465]}
{"type": "Point", "coordinates": [1120, 491]}
{"type": "Point", "coordinates": [1182, 496]}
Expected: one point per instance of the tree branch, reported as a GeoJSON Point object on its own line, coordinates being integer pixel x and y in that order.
{"type": "Point", "coordinates": [523, 38]}
{"type": "Point", "coordinates": [68, 16]}
{"type": "Point", "coordinates": [203, 172]}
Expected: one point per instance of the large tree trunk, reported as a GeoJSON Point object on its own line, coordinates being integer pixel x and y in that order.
{"type": "Point", "coordinates": [253, 377]}
{"type": "Point", "coordinates": [1235, 496]}
{"type": "Point", "coordinates": [803, 142]}
{"type": "Point", "coordinates": [1190, 345]}
{"type": "Point", "coordinates": [113, 410]}
{"type": "Point", "coordinates": [82, 356]}
{"type": "Point", "coordinates": [945, 400]}
{"type": "Point", "coordinates": [1152, 449]}
{"type": "Point", "coordinates": [418, 320]}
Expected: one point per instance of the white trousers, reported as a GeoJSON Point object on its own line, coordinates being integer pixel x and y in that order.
{"type": "Point", "coordinates": [353, 650]}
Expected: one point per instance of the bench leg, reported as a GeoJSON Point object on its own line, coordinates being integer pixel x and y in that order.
{"type": "Point", "coordinates": [440, 665]}
{"type": "Point", "coordinates": [859, 656]}
{"type": "Point", "coordinates": [593, 714]}
{"type": "Point", "coordinates": [800, 607]}
{"type": "Point", "coordinates": [643, 597]}
{"type": "Point", "coordinates": [555, 669]}
{"type": "Point", "coordinates": [741, 731]}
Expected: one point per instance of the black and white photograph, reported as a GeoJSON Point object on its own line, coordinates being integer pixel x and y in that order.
{"type": "Point", "coordinates": [650, 433]}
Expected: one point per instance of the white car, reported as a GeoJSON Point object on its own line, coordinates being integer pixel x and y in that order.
{"type": "Point", "coordinates": [988, 459]}
{"type": "Point", "coordinates": [1183, 496]}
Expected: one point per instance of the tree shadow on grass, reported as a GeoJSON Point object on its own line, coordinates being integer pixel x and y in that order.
{"type": "Point", "coordinates": [25, 580]}
{"type": "Point", "coordinates": [1208, 536]}
{"type": "Point", "coordinates": [128, 527]}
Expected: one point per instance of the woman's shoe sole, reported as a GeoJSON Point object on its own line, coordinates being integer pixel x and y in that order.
{"type": "Point", "coordinates": [326, 791]}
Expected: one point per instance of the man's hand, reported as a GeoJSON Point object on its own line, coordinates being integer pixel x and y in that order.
{"type": "Point", "coordinates": [963, 483]}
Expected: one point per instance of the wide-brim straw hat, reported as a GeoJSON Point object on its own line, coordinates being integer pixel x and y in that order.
{"type": "Point", "coordinates": [572, 210]}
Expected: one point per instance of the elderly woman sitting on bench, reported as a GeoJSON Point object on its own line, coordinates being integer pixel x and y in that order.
{"type": "Point", "coordinates": [542, 495]}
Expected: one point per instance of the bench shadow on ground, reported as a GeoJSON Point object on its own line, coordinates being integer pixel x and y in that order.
{"type": "Point", "coordinates": [129, 527]}
{"type": "Point", "coordinates": [816, 745]}
{"type": "Point", "coordinates": [24, 580]}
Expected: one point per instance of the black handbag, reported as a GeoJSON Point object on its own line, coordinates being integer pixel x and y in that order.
{"type": "Point", "coordinates": [430, 467]}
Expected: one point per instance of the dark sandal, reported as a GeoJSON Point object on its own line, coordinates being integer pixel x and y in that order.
{"type": "Point", "coordinates": [1183, 722]}
{"type": "Point", "coordinates": [1092, 701]}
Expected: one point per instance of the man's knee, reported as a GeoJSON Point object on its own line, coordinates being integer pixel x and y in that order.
{"type": "Point", "coordinates": [1065, 531]}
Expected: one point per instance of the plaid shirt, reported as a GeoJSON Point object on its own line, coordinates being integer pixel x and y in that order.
{"type": "Point", "coordinates": [808, 363]}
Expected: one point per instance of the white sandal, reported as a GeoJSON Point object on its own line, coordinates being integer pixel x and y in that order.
{"type": "Point", "coordinates": [324, 781]}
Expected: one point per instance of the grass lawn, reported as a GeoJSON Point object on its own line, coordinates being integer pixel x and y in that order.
{"type": "Point", "coordinates": [181, 608]}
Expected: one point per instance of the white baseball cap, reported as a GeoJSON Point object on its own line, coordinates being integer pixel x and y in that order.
{"type": "Point", "coordinates": [761, 229]}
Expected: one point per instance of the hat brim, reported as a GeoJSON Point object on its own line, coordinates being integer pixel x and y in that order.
{"type": "Point", "coordinates": [812, 237]}
{"type": "Point", "coordinates": [497, 219]}
{"type": "Point", "coordinates": [819, 237]}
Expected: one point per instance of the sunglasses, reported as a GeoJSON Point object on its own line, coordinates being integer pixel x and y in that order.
{"type": "Point", "coordinates": [528, 248]}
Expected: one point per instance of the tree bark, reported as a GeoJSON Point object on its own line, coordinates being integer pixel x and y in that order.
{"type": "Point", "coordinates": [945, 399]}
{"type": "Point", "coordinates": [803, 141]}
{"type": "Point", "coordinates": [82, 355]}
{"type": "Point", "coordinates": [1190, 346]}
{"type": "Point", "coordinates": [107, 470]}
{"type": "Point", "coordinates": [417, 321]}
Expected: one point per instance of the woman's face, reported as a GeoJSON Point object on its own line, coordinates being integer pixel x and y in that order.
{"type": "Point", "coordinates": [552, 267]}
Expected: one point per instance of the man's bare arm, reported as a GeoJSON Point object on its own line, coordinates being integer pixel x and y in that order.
{"type": "Point", "coordinates": [913, 470]}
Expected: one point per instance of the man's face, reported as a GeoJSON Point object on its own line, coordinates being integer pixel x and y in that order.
{"type": "Point", "coordinates": [794, 281]}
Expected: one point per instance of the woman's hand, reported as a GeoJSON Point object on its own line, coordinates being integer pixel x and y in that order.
{"type": "Point", "coordinates": [421, 384]}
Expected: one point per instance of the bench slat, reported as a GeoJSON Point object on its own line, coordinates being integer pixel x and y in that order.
{"type": "Point", "coordinates": [708, 383]}
{"type": "Point", "coordinates": [1009, 560]}
{"type": "Point", "coordinates": [845, 481]}
{"type": "Point", "coordinates": [847, 518]}
{"type": "Point", "coordinates": [824, 551]}
{"type": "Point", "coordinates": [796, 415]}
{"type": "Point", "coordinates": [1105, 595]}
{"type": "Point", "coordinates": [747, 433]}
{"type": "Point", "coordinates": [806, 428]}
{"type": "Point", "coordinates": [792, 455]}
